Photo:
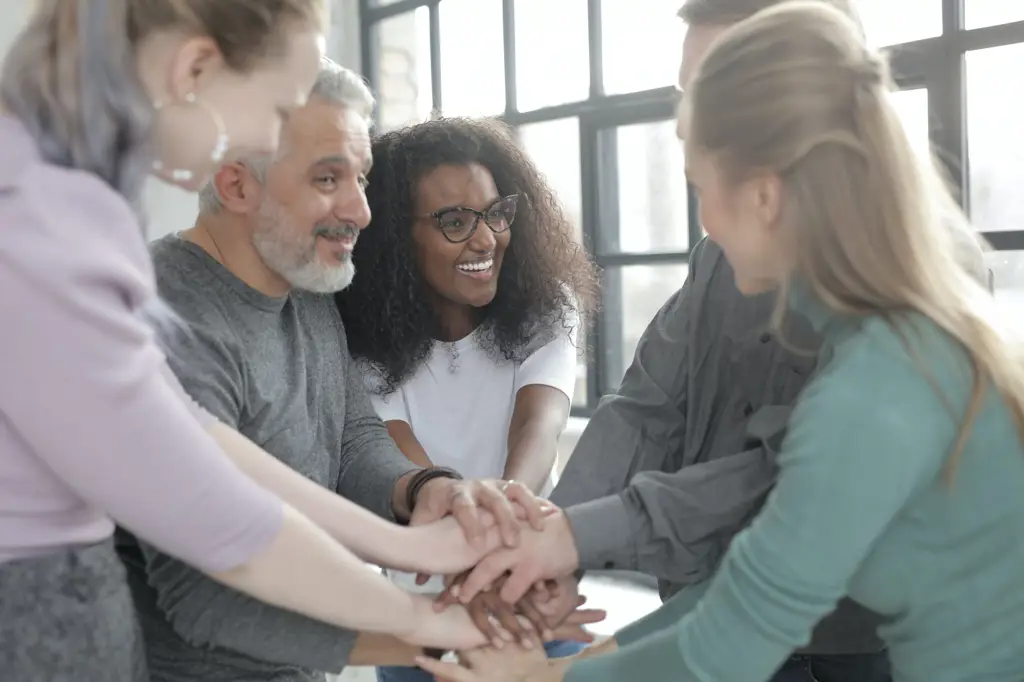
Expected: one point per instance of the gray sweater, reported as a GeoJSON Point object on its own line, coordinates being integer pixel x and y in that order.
{"type": "Point", "coordinates": [279, 371]}
{"type": "Point", "coordinates": [681, 457]}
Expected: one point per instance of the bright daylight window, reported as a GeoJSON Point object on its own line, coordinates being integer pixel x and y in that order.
{"type": "Point", "coordinates": [589, 86]}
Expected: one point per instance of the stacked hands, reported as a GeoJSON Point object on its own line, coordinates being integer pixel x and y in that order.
{"type": "Point", "coordinates": [510, 571]}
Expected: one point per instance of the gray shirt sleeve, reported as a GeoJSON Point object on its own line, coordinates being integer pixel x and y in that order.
{"type": "Point", "coordinates": [371, 463]}
{"type": "Point", "coordinates": [206, 614]}
{"type": "Point", "coordinates": [642, 424]}
{"type": "Point", "coordinates": [630, 504]}
{"type": "Point", "coordinates": [201, 611]}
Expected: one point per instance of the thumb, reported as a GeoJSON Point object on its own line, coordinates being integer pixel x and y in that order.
{"type": "Point", "coordinates": [424, 513]}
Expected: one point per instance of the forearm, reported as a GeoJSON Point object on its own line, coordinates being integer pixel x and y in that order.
{"type": "Point", "coordinates": [357, 529]}
{"type": "Point", "coordinates": [373, 649]}
{"type": "Point", "coordinates": [531, 456]}
{"type": "Point", "coordinates": [673, 526]}
{"type": "Point", "coordinates": [329, 583]}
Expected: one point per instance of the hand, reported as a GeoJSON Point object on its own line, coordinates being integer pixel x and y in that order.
{"type": "Point", "coordinates": [498, 620]}
{"type": "Point", "coordinates": [555, 612]}
{"type": "Point", "coordinates": [513, 664]}
{"type": "Point", "coordinates": [466, 500]}
{"type": "Point", "coordinates": [555, 600]}
{"type": "Point", "coordinates": [549, 553]}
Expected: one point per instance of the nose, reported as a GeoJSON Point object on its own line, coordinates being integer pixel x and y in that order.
{"type": "Point", "coordinates": [483, 239]}
{"type": "Point", "coordinates": [351, 205]}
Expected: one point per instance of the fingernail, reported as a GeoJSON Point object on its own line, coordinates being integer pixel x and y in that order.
{"type": "Point", "coordinates": [499, 643]}
{"type": "Point", "coordinates": [506, 635]}
{"type": "Point", "coordinates": [527, 643]}
{"type": "Point", "coordinates": [455, 591]}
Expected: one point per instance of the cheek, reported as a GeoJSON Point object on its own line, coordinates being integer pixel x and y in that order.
{"type": "Point", "coordinates": [502, 241]}
{"type": "Point", "coordinates": [252, 123]}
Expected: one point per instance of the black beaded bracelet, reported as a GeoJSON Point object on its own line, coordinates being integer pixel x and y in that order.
{"type": "Point", "coordinates": [421, 478]}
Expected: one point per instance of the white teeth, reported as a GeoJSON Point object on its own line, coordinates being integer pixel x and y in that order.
{"type": "Point", "coordinates": [476, 267]}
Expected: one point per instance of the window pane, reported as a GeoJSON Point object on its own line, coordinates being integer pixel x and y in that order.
{"type": "Point", "coordinates": [472, 58]}
{"type": "Point", "coordinates": [652, 191]}
{"type": "Point", "coordinates": [542, 81]}
{"type": "Point", "coordinates": [995, 139]}
{"type": "Point", "coordinates": [912, 107]}
{"type": "Point", "coordinates": [554, 146]}
{"type": "Point", "coordinates": [382, 3]}
{"type": "Point", "coordinates": [890, 23]}
{"type": "Point", "coordinates": [978, 13]}
{"type": "Point", "coordinates": [641, 44]}
{"type": "Point", "coordinates": [1007, 268]}
{"type": "Point", "coordinates": [404, 80]}
{"type": "Point", "coordinates": [641, 291]}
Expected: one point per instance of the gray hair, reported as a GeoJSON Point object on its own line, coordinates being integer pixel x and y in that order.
{"type": "Point", "coordinates": [70, 79]}
{"type": "Point", "coordinates": [334, 84]}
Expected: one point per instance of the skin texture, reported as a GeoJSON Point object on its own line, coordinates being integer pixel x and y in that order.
{"type": "Point", "coordinates": [316, 183]}
{"type": "Point", "coordinates": [252, 106]}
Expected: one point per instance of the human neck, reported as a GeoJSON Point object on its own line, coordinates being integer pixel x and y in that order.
{"type": "Point", "coordinates": [227, 240]}
{"type": "Point", "coordinates": [456, 321]}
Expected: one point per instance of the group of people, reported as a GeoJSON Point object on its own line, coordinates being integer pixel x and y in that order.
{"type": "Point", "coordinates": [364, 351]}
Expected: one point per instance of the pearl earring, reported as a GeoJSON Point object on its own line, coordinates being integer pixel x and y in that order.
{"type": "Point", "coordinates": [220, 145]}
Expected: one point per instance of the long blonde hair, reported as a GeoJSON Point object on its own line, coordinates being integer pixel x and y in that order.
{"type": "Point", "coordinates": [872, 226]}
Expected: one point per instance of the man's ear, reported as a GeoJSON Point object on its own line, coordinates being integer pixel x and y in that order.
{"type": "Point", "coordinates": [238, 190]}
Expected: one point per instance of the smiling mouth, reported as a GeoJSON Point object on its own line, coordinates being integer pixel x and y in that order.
{"type": "Point", "coordinates": [347, 243]}
{"type": "Point", "coordinates": [477, 267]}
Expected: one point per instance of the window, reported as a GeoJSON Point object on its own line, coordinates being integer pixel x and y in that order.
{"type": "Point", "coordinates": [404, 84]}
{"type": "Point", "coordinates": [995, 138]}
{"type": "Point", "coordinates": [891, 23]}
{"type": "Point", "coordinates": [981, 13]}
{"type": "Point", "coordinates": [546, 22]}
{"type": "Point", "coordinates": [589, 87]}
{"type": "Point", "coordinates": [640, 41]}
{"type": "Point", "coordinates": [1007, 273]}
{"type": "Point", "coordinates": [472, 58]}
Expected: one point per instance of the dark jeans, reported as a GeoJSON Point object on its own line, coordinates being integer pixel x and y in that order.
{"type": "Point", "coordinates": [835, 668]}
{"type": "Point", "coordinates": [559, 649]}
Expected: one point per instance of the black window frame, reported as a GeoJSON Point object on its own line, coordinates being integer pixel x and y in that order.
{"type": "Point", "coordinates": [936, 63]}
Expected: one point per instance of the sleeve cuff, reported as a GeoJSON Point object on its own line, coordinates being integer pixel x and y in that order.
{"type": "Point", "coordinates": [603, 534]}
{"type": "Point", "coordinates": [655, 659]}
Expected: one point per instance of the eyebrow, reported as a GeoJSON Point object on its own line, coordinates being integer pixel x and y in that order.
{"type": "Point", "coordinates": [456, 207]}
{"type": "Point", "coordinates": [340, 160]}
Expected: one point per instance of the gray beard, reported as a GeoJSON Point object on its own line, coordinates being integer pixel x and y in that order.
{"type": "Point", "coordinates": [283, 253]}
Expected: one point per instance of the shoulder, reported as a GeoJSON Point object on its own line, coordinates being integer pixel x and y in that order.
{"type": "Point", "coordinates": [66, 228]}
{"type": "Point", "coordinates": [901, 375]}
{"type": "Point", "coordinates": [186, 285]}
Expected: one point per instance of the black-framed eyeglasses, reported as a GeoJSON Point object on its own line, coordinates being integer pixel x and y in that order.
{"type": "Point", "coordinates": [459, 223]}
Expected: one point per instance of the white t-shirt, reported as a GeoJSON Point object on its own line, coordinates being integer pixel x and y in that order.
{"type": "Point", "coordinates": [459, 404]}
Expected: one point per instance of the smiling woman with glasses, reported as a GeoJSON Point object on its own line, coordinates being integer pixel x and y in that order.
{"type": "Point", "coordinates": [465, 311]}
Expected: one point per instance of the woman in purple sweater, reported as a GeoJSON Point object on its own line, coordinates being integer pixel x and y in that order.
{"type": "Point", "coordinates": [94, 429]}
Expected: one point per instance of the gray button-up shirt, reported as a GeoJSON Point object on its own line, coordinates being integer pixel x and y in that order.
{"type": "Point", "coordinates": [679, 460]}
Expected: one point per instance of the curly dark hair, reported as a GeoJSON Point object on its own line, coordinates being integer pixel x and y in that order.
{"type": "Point", "coordinates": [545, 278]}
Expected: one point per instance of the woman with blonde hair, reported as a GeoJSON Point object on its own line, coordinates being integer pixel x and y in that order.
{"type": "Point", "coordinates": [94, 429]}
{"type": "Point", "coordinates": [902, 472]}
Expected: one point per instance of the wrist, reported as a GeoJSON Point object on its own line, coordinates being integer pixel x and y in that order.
{"type": "Point", "coordinates": [407, 492]}
{"type": "Point", "coordinates": [569, 554]}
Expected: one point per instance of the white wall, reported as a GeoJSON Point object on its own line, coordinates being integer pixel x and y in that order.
{"type": "Point", "coordinates": [171, 209]}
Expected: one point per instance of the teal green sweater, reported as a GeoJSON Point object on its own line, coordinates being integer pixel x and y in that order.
{"type": "Point", "coordinates": [861, 508]}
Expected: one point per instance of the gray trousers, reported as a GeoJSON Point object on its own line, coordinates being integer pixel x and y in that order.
{"type": "Point", "coordinates": [68, 617]}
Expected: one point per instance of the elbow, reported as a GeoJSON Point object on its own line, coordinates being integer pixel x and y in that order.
{"type": "Point", "coordinates": [197, 626]}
